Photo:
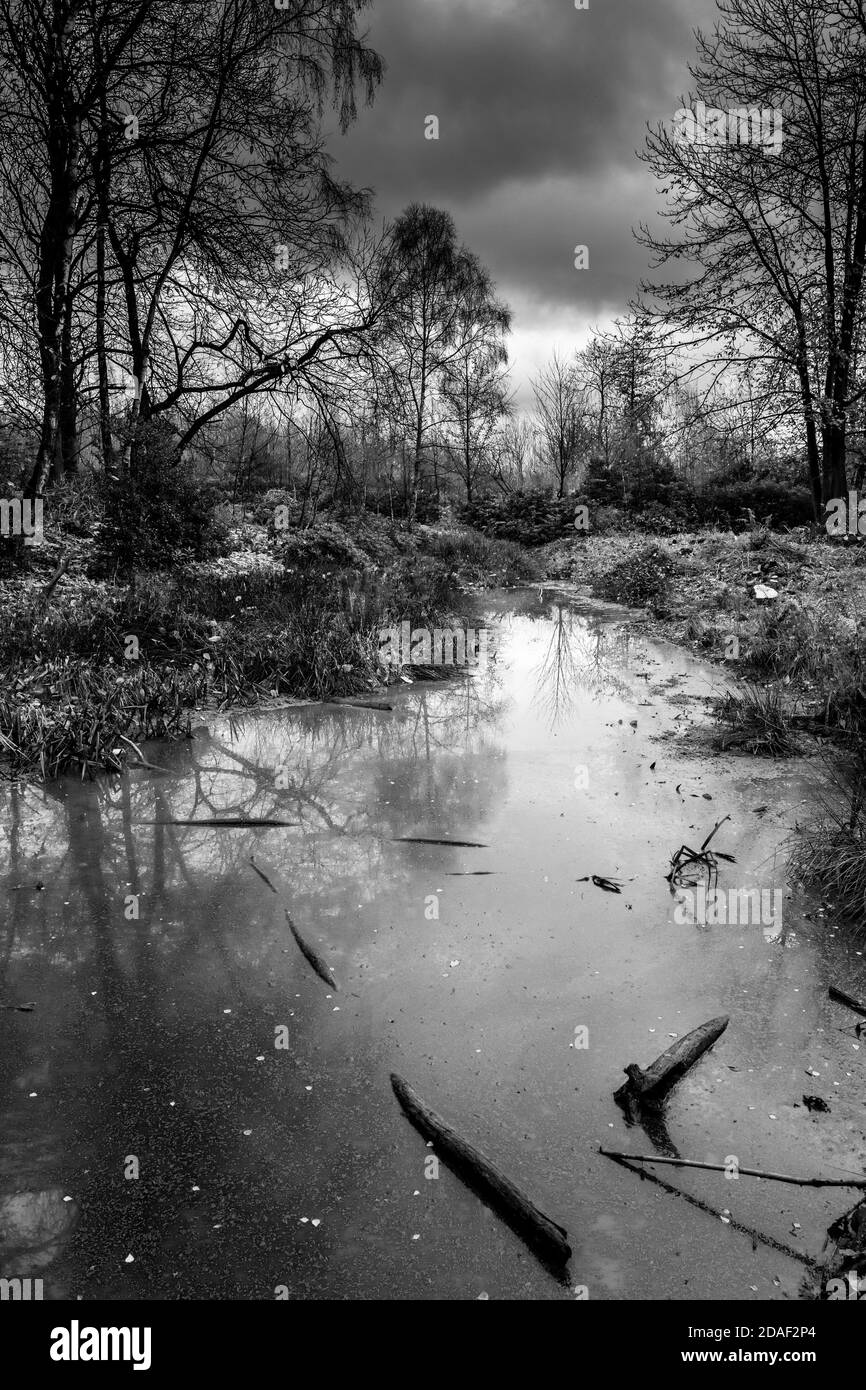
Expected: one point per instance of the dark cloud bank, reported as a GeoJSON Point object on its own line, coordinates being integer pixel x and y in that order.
{"type": "Point", "coordinates": [541, 109]}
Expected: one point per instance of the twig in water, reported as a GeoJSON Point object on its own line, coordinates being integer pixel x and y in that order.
{"type": "Point", "coordinates": [716, 827]}
{"type": "Point", "coordinates": [713, 1211]}
{"type": "Point", "coordinates": [610, 885]}
{"type": "Point", "coordinates": [743, 1172]}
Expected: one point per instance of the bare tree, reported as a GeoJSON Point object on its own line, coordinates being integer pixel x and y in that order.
{"type": "Point", "coordinates": [474, 381]}
{"type": "Point", "coordinates": [180, 226]}
{"type": "Point", "coordinates": [778, 233]}
{"type": "Point", "coordinates": [442, 313]}
{"type": "Point", "coordinates": [561, 410]}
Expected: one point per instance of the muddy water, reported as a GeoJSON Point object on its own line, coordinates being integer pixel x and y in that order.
{"type": "Point", "coordinates": [155, 1047]}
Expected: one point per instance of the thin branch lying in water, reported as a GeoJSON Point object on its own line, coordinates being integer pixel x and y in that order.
{"type": "Point", "coordinates": [756, 1236]}
{"type": "Point", "coordinates": [743, 1172]}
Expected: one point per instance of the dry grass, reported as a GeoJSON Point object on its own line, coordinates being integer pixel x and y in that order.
{"type": "Point", "coordinates": [756, 722]}
{"type": "Point", "coordinates": [829, 856]}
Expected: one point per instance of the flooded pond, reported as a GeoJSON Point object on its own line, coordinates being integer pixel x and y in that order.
{"type": "Point", "coordinates": [190, 1112]}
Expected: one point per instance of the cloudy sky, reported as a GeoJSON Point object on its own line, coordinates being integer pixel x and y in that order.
{"type": "Point", "coordinates": [541, 109]}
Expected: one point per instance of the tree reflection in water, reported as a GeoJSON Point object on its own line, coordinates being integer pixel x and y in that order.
{"type": "Point", "coordinates": [147, 1027]}
{"type": "Point", "coordinates": [583, 655]}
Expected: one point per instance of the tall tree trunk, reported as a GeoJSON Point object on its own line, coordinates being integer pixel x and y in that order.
{"type": "Point", "coordinates": [416, 459]}
{"type": "Point", "coordinates": [103, 182]}
{"type": "Point", "coordinates": [66, 456]}
{"type": "Point", "coordinates": [56, 243]}
{"type": "Point", "coordinates": [812, 455]}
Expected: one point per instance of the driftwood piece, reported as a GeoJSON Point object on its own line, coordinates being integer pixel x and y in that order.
{"type": "Point", "coordinates": [543, 1235]}
{"type": "Point", "coordinates": [651, 1085]}
{"type": "Point", "coordinates": [743, 1172]}
{"type": "Point", "coordinates": [841, 997]}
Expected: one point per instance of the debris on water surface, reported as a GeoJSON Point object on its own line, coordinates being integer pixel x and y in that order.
{"type": "Point", "coordinates": [816, 1103]}
{"type": "Point", "coordinates": [704, 859]}
{"type": "Point", "coordinates": [610, 885]}
{"type": "Point", "coordinates": [843, 1266]}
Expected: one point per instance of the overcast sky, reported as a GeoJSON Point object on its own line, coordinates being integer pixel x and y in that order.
{"type": "Point", "coordinates": [541, 109]}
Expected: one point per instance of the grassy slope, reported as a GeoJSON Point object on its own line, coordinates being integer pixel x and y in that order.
{"type": "Point", "coordinates": [97, 666]}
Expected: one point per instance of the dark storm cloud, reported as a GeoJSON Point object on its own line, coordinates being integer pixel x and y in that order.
{"type": "Point", "coordinates": [541, 109]}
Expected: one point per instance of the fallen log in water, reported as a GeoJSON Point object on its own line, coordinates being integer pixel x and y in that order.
{"type": "Point", "coordinates": [650, 1085]}
{"type": "Point", "coordinates": [227, 824]}
{"type": "Point", "coordinates": [543, 1235]}
{"type": "Point", "coordinates": [453, 844]}
{"type": "Point", "coordinates": [725, 1168]}
{"type": "Point", "coordinates": [263, 877]}
{"type": "Point", "coordinates": [322, 969]}
{"type": "Point", "coordinates": [842, 998]}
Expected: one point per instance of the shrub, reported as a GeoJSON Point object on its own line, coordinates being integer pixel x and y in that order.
{"type": "Point", "coordinates": [783, 503]}
{"type": "Point", "coordinates": [602, 484]}
{"type": "Point", "coordinates": [530, 518]}
{"type": "Point", "coordinates": [420, 589]}
{"type": "Point", "coordinates": [481, 559]}
{"type": "Point", "coordinates": [326, 545]}
{"type": "Point", "coordinates": [155, 515]}
{"type": "Point", "coordinates": [639, 579]}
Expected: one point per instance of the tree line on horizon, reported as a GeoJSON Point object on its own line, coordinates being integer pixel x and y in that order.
{"type": "Point", "coordinates": [184, 278]}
